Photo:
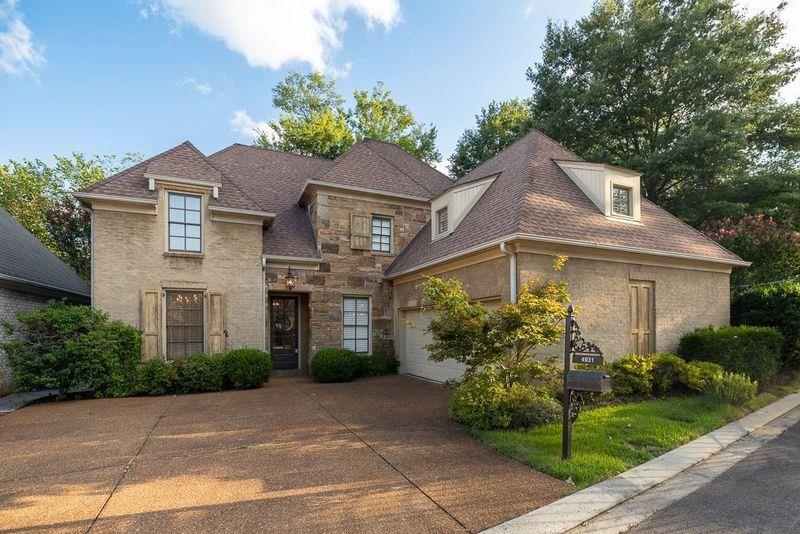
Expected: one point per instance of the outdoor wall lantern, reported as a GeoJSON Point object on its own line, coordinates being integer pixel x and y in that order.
{"type": "Point", "coordinates": [290, 279]}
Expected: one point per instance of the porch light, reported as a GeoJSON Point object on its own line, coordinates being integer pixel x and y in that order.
{"type": "Point", "coordinates": [290, 279]}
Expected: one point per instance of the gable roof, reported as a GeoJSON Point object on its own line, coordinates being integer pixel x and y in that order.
{"type": "Point", "coordinates": [532, 197]}
{"type": "Point", "coordinates": [379, 166]}
{"type": "Point", "coordinates": [275, 180]}
{"type": "Point", "coordinates": [26, 262]}
{"type": "Point", "coordinates": [183, 161]}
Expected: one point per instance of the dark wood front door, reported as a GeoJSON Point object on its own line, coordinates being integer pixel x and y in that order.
{"type": "Point", "coordinates": [284, 330]}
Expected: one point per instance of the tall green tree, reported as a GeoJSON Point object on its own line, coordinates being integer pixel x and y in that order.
{"type": "Point", "coordinates": [314, 121]}
{"type": "Point", "coordinates": [496, 126]}
{"type": "Point", "coordinates": [37, 195]}
{"type": "Point", "coordinates": [686, 91]}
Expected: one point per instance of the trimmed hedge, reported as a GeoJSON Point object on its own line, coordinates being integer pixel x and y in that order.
{"type": "Point", "coordinates": [246, 368]}
{"type": "Point", "coordinates": [776, 305]}
{"type": "Point", "coordinates": [632, 374]}
{"type": "Point", "coordinates": [198, 374]}
{"type": "Point", "coordinates": [751, 350]}
{"type": "Point", "coordinates": [333, 364]}
{"type": "Point", "coordinates": [661, 374]}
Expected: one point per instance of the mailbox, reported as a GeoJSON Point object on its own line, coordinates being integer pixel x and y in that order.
{"type": "Point", "coordinates": [598, 381]}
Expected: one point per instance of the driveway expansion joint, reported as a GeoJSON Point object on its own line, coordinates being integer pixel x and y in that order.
{"type": "Point", "coordinates": [382, 457]}
{"type": "Point", "coordinates": [130, 463]}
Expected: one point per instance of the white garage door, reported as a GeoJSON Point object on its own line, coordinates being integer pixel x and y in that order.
{"type": "Point", "coordinates": [413, 356]}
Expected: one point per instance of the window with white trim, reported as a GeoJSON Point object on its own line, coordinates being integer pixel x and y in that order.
{"type": "Point", "coordinates": [185, 323]}
{"type": "Point", "coordinates": [381, 234]}
{"type": "Point", "coordinates": [441, 221]}
{"type": "Point", "coordinates": [356, 324]}
{"type": "Point", "coordinates": [621, 200]}
{"type": "Point", "coordinates": [184, 223]}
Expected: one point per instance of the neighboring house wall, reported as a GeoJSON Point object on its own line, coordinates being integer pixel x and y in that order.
{"type": "Point", "coordinates": [344, 271]}
{"type": "Point", "coordinates": [11, 303]}
{"type": "Point", "coordinates": [129, 256]}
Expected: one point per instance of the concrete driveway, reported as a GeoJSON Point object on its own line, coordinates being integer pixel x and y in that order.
{"type": "Point", "coordinates": [378, 454]}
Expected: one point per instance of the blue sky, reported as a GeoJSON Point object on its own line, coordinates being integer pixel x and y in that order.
{"type": "Point", "coordinates": [141, 76]}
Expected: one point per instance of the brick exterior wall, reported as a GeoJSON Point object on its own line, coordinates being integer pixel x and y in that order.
{"type": "Point", "coordinates": [129, 256]}
{"type": "Point", "coordinates": [11, 303]}
{"type": "Point", "coordinates": [347, 272]}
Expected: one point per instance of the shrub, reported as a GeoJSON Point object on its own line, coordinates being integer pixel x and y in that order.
{"type": "Point", "coordinates": [669, 372]}
{"type": "Point", "coordinates": [245, 368]}
{"type": "Point", "coordinates": [632, 374]}
{"type": "Point", "coordinates": [776, 305]}
{"type": "Point", "coordinates": [698, 374]}
{"type": "Point", "coordinates": [199, 374]}
{"type": "Point", "coordinates": [333, 364]}
{"type": "Point", "coordinates": [381, 362]}
{"type": "Point", "coordinates": [156, 377]}
{"type": "Point", "coordinates": [71, 347]}
{"type": "Point", "coordinates": [483, 401]}
{"type": "Point", "coordinates": [751, 350]}
{"type": "Point", "coordinates": [733, 388]}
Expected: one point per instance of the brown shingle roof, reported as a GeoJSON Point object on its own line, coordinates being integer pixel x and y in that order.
{"type": "Point", "coordinates": [373, 164]}
{"type": "Point", "coordinates": [276, 180]}
{"type": "Point", "coordinates": [533, 196]}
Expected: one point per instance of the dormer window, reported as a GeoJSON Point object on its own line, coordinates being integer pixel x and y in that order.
{"type": "Point", "coordinates": [184, 223]}
{"type": "Point", "coordinates": [441, 221]}
{"type": "Point", "coordinates": [621, 200]}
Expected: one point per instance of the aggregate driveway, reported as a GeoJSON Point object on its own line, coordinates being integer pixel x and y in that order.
{"type": "Point", "coordinates": [375, 455]}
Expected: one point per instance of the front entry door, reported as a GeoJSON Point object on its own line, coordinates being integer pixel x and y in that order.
{"type": "Point", "coordinates": [284, 330]}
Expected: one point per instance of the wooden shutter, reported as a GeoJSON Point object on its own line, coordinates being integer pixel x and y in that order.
{"type": "Point", "coordinates": [151, 323]}
{"type": "Point", "coordinates": [642, 317]}
{"type": "Point", "coordinates": [360, 232]}
{"type": "Point", "coordinates": [216, 323]}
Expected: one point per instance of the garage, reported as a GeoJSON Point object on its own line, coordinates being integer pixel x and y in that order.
{"type": "Point", "coordinates": [413, 356]}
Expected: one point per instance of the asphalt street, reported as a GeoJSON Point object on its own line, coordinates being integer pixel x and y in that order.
{"type": "Point", "coordinates": [759, 494]}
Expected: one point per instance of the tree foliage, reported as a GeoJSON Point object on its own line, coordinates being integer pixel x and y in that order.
{"type": "Point", "coordinates": [37, 195]}
{"type": "Point", "coordinates": [496, 126]}
{"type": "Point", "coordinates": [686, 91]}
{"type": "Point", "coordinates": [314, 121]}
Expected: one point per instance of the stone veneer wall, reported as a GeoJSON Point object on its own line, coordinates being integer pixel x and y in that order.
{"type": "Point", "coordinates": [347, 272]}
{"type": "Point", "coordinates": [11, 303]}
{"type": "Point", "coordinates": [129, 255]}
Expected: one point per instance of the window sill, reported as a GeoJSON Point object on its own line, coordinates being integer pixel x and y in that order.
{"type": "Point", "coordinates": [197, 255]}
{"type": "Point", "coordinates": [379, 253]}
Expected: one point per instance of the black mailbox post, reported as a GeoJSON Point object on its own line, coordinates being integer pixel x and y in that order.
{"type": "Point", "coordinates": [578, 350]}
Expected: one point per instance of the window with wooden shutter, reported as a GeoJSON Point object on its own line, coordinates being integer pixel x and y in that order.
{"type": "Point", "coordinates": [360, 232]}
{"type": "Point", "coordinates": [216, 322]}
{"type": "Point", "coordinates": [150, 323]}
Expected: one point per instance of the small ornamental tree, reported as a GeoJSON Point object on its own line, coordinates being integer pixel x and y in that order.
{"type": "Point", "coordinates": [507, 338]}
{"type": "Point", "coordinates": [772, 246]}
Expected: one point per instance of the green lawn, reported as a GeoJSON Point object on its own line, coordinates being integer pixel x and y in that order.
{"type": "Point", "coordinates": [612, 439]}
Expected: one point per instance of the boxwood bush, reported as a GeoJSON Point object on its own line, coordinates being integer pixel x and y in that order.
{"type": "Point", "coordinates": [245, 368]}
{"type": "Point", "coordinates": [751, 350]}
{"type": "Point", "coordinates": [632, 374]}
{"type": "Point", "coordinates": [333, 364]}
{"type": "Point", "coordinates": [198, 374]}
{"type": "Point", "coordinates": [156, 377]}
{"type": "Point", "coordinates": [776, 305]}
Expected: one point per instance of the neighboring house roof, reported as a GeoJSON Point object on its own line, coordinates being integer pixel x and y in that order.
{"type": "Point", "coordinates": [379, 166]}
{"type": "Point", "coordinates": [533, 197]}
{"type": "Point", "coordinates": [276, 180]}
{"type": "Point", "coordinates": [183, 161]}
{"type": "Point", "coordinates": [27, 264]}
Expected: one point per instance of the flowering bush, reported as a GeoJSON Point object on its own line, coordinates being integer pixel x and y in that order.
{"type": "Point", "coordinates": [772, 246]}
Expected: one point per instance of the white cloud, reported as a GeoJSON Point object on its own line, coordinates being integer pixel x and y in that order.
{"type": "Point", "coordinates": [19, 54]}
{"type": "Point", "coordinates": [246, 125]}
{"type": "Point", "coordinates": [274, 33]}
{"type": "Point", "coordinates": [791, 17]}
{"type": "Point", "coordinates": [201, 87]}
{"type": "Point", "coordinates": [530, 7]}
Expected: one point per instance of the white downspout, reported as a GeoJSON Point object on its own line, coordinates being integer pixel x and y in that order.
{"type": "Point", "coordinates": [263, 302]}
{"type": "Point", "coordinates": [512, 275]}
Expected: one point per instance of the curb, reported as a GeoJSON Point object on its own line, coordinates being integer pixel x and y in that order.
{"type": "Point", "coordinates": [578, 508]}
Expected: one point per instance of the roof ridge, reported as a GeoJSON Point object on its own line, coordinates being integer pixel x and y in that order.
{"type": "Point", "coordinates": [395, 145]}
{"type": "Point", "coordinates": [431, 193]}
{"type": "Point", "coordinates": [484, 162]}
{"type": "Point", "coordinates": [116, 175]}
{"type": "Point", "coordinates": [285, 152]}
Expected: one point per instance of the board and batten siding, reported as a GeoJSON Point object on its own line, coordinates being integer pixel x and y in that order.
{"type": "Point", "coordinates": [458, 201]}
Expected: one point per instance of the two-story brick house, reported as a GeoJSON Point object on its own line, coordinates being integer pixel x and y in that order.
{"type": "Point", "coordinates": [251, 247]}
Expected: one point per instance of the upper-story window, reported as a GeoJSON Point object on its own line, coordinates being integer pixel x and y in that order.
{"type": "Point", "coordinates": [184, 223]}
{"type": "Point", "coordinates": [621, 200]}
{"type": "Point", "coordinates": [441, 221]}
{"type": "Point", "coordinates": [381, 234]}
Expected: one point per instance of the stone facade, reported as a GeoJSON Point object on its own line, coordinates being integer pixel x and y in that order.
{"type": "Point", "coordinates": [130, 255]}
{"type": "Point", "coordinates": [343, 271]}
{"type": "Point", "coordinates": [11, 303]}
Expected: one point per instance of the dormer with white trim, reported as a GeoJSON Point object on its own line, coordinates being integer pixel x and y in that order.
{"type": "Point", "coordinates": [451, 206]}
{"type": "Point", "coordinates": [615, 191]}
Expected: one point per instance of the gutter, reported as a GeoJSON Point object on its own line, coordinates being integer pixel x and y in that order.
{"type": "Point", "coordinates": [512, 272]}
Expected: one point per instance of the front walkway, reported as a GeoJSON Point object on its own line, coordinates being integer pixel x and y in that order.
{"type": "Point", "coordinates": [377, 454]}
